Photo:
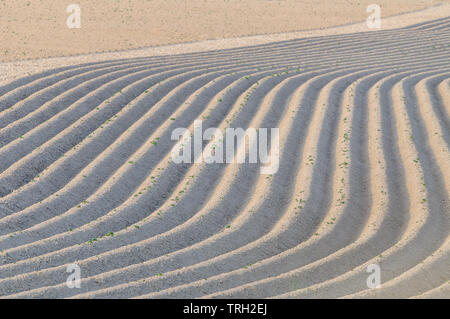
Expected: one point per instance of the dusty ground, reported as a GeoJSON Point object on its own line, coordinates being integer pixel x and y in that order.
{"type": "Point", "coordinates": [37, 28]}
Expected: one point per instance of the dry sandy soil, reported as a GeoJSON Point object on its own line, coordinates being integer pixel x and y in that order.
{"type": "Point", "coordinates": [37, 28]}
{"type": "Point", "coordinates": [86, 174]}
